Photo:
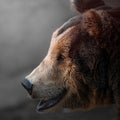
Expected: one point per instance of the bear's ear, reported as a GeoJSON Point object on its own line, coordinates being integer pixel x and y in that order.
{"type": "Point", "coordinates": [84, 5]}
{"type": "Point", "coordinates": [91, 23]}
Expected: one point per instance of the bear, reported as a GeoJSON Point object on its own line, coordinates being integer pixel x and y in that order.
{"type": "Point", "coordinates": [82, 67]}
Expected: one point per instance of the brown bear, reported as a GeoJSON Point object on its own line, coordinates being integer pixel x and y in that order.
{"type": "Point", "coordinates": [82, 67]}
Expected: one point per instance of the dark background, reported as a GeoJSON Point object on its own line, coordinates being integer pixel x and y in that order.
{"type": "Point", "coordinates": [26, 27]}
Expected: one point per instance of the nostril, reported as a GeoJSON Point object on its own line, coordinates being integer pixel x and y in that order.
{"type": "Point", "coordinates": [27, 85]}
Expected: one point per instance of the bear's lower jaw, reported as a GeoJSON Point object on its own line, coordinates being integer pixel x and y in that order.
{"type": "Point", "coordinates": [47, 104]}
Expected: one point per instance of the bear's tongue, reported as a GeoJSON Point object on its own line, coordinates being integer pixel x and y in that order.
{"type": "Point", "coordinates": [43, 105]}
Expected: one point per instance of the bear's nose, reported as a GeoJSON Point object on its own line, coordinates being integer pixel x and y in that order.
{"type": "Point", "coordinates": [27, 85]}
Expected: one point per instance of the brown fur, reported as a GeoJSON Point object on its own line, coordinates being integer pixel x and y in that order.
{"type": "Point", "coordinates": [84, 5]}
{"type": "Point", "coordinates": [84, 59]}
{"type": "Point", "coordinates": [89, 30]}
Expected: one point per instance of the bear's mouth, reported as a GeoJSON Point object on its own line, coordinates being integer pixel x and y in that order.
{"type": "Point", "coordinates": [46, 104]}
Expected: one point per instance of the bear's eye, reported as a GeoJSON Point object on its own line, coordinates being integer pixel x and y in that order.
{"type": "Point", "coordinates": [60, 58]}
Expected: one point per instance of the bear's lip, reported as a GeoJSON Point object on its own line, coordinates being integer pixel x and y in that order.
{"type": "Point", "coordinates": [46, 104]}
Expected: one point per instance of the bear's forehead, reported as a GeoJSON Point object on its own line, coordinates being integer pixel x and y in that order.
{"type": "Point", "coordinates": [67, 36]}
{"type": "Point", "coordinates": [63, 42]}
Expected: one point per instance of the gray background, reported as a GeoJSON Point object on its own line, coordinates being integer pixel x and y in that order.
{"type": "Point", "coordinates": [26, 27]}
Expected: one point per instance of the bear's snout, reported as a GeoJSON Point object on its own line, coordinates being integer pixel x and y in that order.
{"type": "Point", "coordinates": [28, 86]}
